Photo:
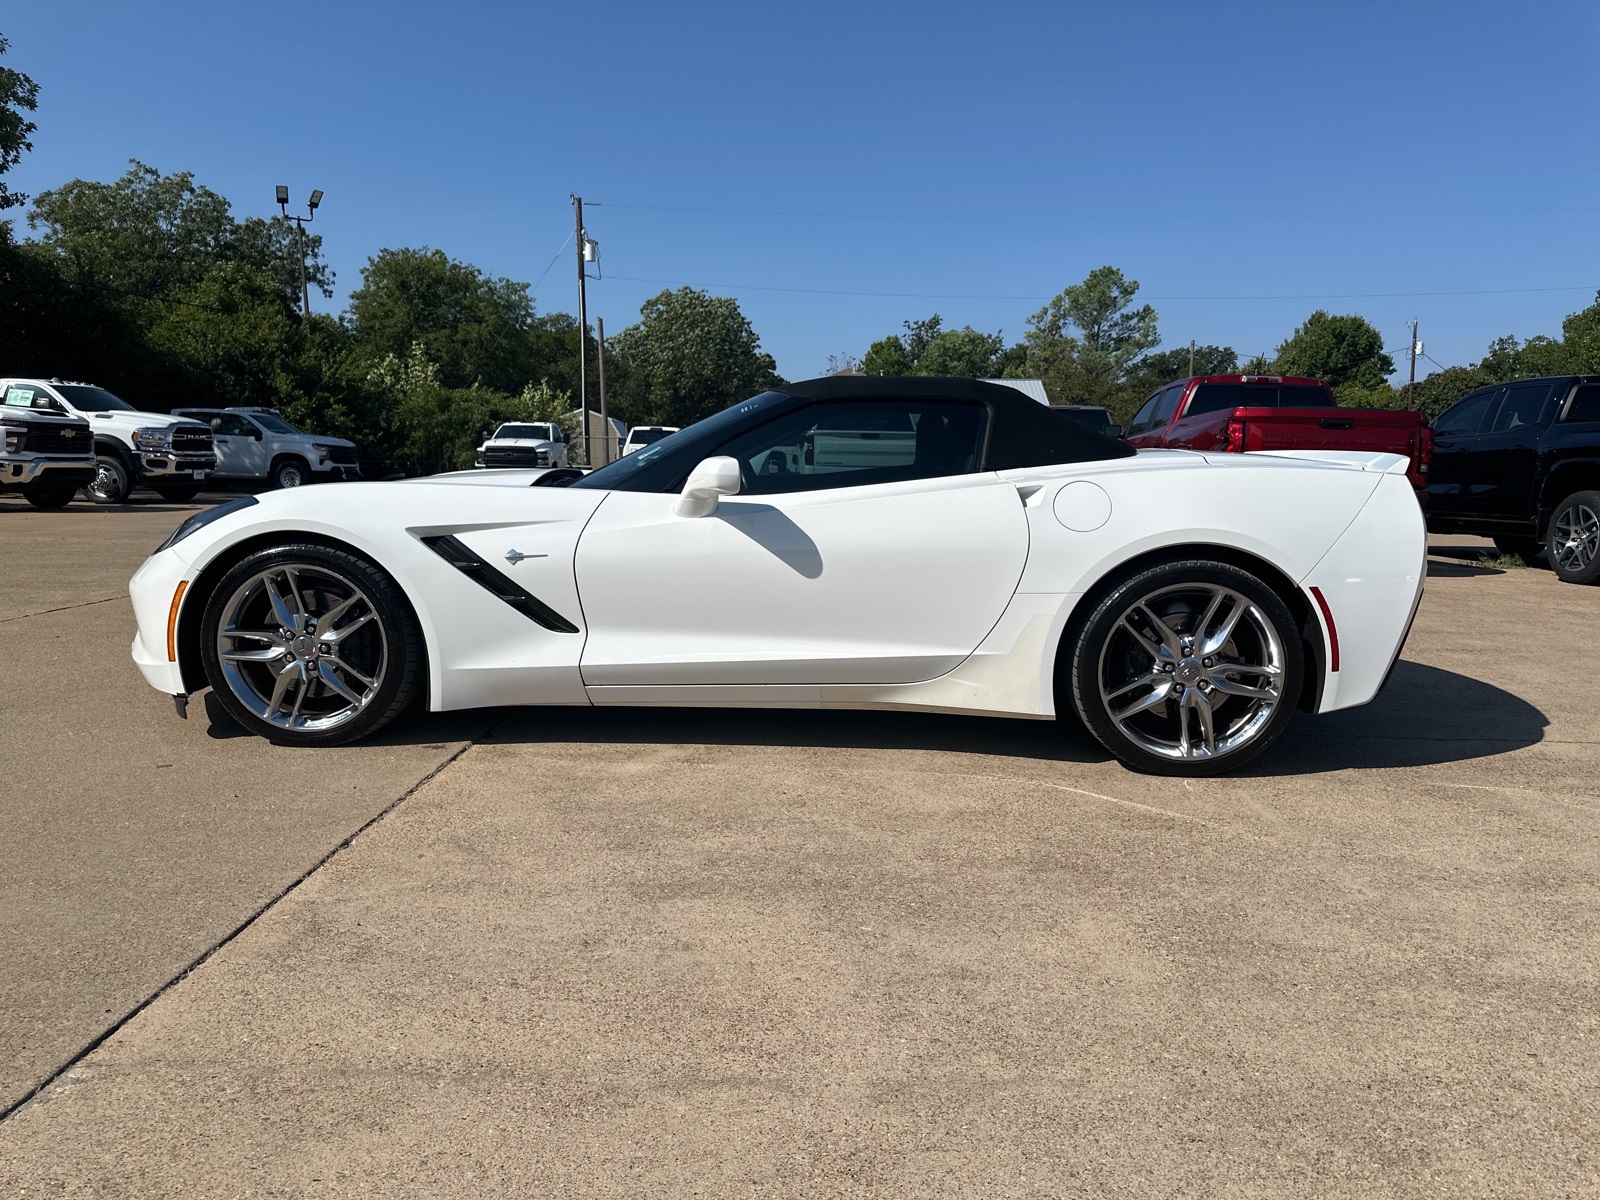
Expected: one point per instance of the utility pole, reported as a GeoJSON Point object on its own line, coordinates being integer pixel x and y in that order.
{"type": "Point", "coordinates": [583, 326]}
{"type": "Point", "coordinates": [600, 362]}
{"type": "Point", "coordinates": [300, 241]}
{"type": "Point", "coordinates": [1191, 356]}
{"type": "Point", "coordinates": [1412, 382]}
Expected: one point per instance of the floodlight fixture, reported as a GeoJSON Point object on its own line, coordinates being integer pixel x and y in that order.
{"type": "Point", "coordinates": [316, 199]}
{"type": "Point", "coordinates": [283, 195]}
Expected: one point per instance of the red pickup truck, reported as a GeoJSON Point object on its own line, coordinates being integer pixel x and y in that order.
{"type": "Point", "coordinates": [1235, 413]}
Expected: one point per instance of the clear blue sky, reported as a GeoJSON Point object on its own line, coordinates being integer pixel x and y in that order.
{"type": "Point", "coordinates": [977, 156]}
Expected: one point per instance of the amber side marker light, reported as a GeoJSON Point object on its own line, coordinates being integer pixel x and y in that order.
{"type": "Point", "coordinates": [172, 621]}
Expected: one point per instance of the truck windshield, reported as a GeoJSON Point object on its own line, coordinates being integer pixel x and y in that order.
{"type": "Point", "coordinates": [92, 399]}
{"type": "Point", "coordinates": [273, 424]}
{"type": "Point", "coordinates": [645, 437]}
{"type": "Point", "coordinates": [538, 433]}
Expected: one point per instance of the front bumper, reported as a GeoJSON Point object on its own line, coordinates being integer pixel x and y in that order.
{"type": "Point", "coordinates": [159, 466]}
{"type": "Point", "coordinates": [151, 590]}
{"type": "Point", "coordinates": [23, 470]}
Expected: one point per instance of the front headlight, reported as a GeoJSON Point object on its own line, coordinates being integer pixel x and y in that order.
{"type": "Point", "coordinates": [322, 446]}
{"type": "Point", "coordinates": [14, 435]}
{"type": "Point", "coordinates": [152, 438]}
{"type": "Point", "coordinates": [201, 519]}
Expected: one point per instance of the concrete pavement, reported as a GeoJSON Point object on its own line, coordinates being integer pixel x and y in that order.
{"type": "Point", "coordinates": [714, 953]}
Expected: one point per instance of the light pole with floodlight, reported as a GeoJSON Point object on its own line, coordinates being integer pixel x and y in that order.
{"type": "Point", "coordinates": [300, 229]}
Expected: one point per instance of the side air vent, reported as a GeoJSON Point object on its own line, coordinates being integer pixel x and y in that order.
{"type": "Point", "coordinates": [458, 555]}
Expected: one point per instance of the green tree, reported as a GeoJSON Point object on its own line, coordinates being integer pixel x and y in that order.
{"type": "Point", "coordinates": [18, 94]}
{"type": "Point", "coordinates": [692, 354]}
{"type": "Point", "coordinates": [963, 353]}
{"type": "Point", "coordinates": [887, 356]}
{"type": "Point", "coordinates": [1164, 366]}
{"type": "Point", "coordinates": [234, 338]}
{"type": "Point", "coordinates": [1340, 350]}
{"type": "Point", "coordinates": [1097, 364]}
{"type": "Point", "coordinates": [474, 328]}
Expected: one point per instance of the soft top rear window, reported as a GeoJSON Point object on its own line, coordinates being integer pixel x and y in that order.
{"type": "Point", "coordinates": [1213, 397]}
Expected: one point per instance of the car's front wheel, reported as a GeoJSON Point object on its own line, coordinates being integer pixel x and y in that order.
{"type": "Point", "coordinates": [112, 481]}
{"type": "Point", "coordinates": [289, 473]}
{"type": "Point", "coordinates": [310, 645]}
{"type": "Point", "coordinates": [1190, 667]}
{"type": "Point", "coordinates": [1574, 541]}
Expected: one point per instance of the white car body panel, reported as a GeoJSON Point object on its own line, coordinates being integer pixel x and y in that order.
{"type": "Point", "coordinates": [949, 594]}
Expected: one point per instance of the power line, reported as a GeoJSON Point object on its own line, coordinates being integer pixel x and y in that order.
{"type": "Point", "coordinates": [552, 263]}
{"type": "Point", "coordinates": [756, 287]}
{"type": "Point", "coordinates": [1090, 218]}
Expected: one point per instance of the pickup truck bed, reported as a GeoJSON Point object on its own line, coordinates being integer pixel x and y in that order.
{"type": "Point", "coordinates": [1239, 413]}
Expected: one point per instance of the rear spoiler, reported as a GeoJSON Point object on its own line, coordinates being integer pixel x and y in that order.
{"type": "Point", "coordinates": [1361, 460]}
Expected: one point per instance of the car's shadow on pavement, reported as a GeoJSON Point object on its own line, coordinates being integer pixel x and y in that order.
{"type": "Point", "coordinates": [1424, 716]}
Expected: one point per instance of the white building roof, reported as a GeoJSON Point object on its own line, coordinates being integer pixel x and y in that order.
{"type": "Point", "coordinates": [1033, 389]}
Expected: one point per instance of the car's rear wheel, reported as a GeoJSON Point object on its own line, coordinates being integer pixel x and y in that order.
{"type": "Point", "coordinates": [1190, 667]}
{"type": "Point", "coordinates": [112, 481]}
{"type": "Point", "coordinates": [311, 646]}
{"type": "Point", "coordinates": [1574, 541]}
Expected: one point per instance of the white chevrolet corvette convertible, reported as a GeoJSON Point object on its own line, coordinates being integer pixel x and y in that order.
{"type": "Point", "coordinates": [852, 542]}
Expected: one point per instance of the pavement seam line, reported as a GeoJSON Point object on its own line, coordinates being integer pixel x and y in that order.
{"type": "Point", "coordinates": [63, 608]}
{"type": "Point", "coordinates": [205, 955]}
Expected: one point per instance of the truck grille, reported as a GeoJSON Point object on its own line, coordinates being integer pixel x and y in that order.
{"type": "Point", "coordinates": [515, 456]}
{"type": "Point", "coordinates": [344, 455]}
{"type": "Point", "coordinates": [191, 439]}
{"type": "Point", "coordinates": [47, 439]}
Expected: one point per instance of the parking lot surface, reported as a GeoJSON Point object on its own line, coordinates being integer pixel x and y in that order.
{"type": "Point", "coordinates": [716, 953]}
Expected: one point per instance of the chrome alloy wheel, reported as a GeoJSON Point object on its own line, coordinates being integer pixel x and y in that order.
{"type": "Point", "coordinates": [1192, 671]}
{"type": "Point", "coordinates": [1575, 537]}
{"type": "Point", "coordinates": [302, 647]}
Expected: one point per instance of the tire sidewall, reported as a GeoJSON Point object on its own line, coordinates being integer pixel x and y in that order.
{"type": "Point", "coordinates": [290, 464]}
{"type": "Point", "coordinates": [49, 499]}
{"type": "Point", "coordinates": [1588, 574]}
{"type": "Point", "coordinates": [400, 686]}
{"type": "Point", "coordinates": [1084, 664]}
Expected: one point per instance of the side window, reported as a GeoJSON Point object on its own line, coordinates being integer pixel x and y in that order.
{"type": "Point", "coordinates": [1168, 405]}
{"type": "Point", "coordinates": [1522, 405]}
{"type": "Point", "coordinates": [1467, 415]}
{"type": "Point", "coordinates": [859, 442]}
{"type": "Point", "coordinates": [233, 425]}
{"type": "Point", "coordinates": [1146, 415]}
{"type": "Point", "coordinates": [1585, 404]}
{"type": "Point", "coordinates": [21, 395]}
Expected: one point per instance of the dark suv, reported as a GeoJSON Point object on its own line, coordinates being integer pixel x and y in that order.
{"type": "Point", "coordinates": [1520, 462]}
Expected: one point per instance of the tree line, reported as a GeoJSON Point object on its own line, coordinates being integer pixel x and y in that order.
{"type": "Point", "coordinates": [1094, 344]}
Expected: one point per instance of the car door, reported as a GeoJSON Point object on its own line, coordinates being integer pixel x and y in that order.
{"type": "Point", "coordinates": [864, 546]}
{"type": "Point", "coordinates": [238, 446]}
{"type": "Point", "coordinates": [1454, 478]}
{"type": "Point", "coordinates": [1506, 451]}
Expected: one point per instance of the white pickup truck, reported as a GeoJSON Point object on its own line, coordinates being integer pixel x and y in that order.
{"type": "Point", "coordinates": [45, 456]}
{"type": "Point", "coordinates": [170, 455]}
{"type": "Point", "coordinates": [257, 443]}
{"type": "Point", "coordinates": [523, 444]}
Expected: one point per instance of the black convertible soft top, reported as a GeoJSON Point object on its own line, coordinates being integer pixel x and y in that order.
{"type": "Point", "coordinates": [1023, 433]}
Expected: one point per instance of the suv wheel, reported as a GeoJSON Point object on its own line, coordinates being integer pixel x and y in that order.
{"type": "Point", "coordinates": [112, 481]}
{"type": "Point", "coordinates": [1574, 540]}
{"type": "Point", "coordinates": [290, 472]}
{"type": "Point", "coordinates": [311, 646]}
{"type": "Point", "coordinates": [1188, 668]}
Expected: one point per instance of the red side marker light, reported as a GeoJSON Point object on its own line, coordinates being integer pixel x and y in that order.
{"type": "Point", "coordinates": [1333, 631]}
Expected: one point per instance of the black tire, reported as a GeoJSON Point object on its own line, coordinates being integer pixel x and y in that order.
{"type": "Point", "coordinates": [1573, 540]}
{"type": "Point", "coordinates": [1113, 657]}
{"type": "Point", "coordinates": [179, 494]}
{"type": "Point", "coordinates": [1525, 548]}
{"type": "Point", "coordinates": [290, 472]}
{"type": "Point", "coordinates": [49, 497]}
{"type": "Point", "coordinates": [385, 645]}
{"type": "Point", "coordinates": [112, 482]}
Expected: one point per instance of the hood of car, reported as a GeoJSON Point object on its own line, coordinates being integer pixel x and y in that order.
{"type": "Point", "coordinates": [140, 420]}
{"type": "Point", "coordinates": [517, 442]}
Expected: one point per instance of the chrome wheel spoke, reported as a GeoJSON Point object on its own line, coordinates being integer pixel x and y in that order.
{"type": "Point", "coordinates": [280, 688]}
{"type": "Point", "coordinates": [327, 672]}
{"type": "Point", "coordinates": [256, 656]}
{"type": "Point", "coordinates": [335, 636]}
{"type": "Point", "coordinates": [1196, 700]}
{"type": "Point", "coordinates": [1169, 637]}
{"type": "Point", "coordinates": [1158, 695]}
{"type": "Point", "coordinates": [286, 616]}
{"type": "Point", "coordinates": [1143, 681]}
{"type": "Point", "coordinates": [1218, 638]}
{"type": "Point", "coordinates": [364, 680]}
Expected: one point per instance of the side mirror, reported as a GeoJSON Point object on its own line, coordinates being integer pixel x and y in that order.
{"type": "Point", "coordinates": [1114, 431]}
{"type": "Point", "coordinates": [714, 477]}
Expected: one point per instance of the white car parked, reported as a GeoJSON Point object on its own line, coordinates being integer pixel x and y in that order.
{"type": "Point", "coordinates": [641, 436]}
{"type": "Point", "coordinates": [980, 554]}
{"type": "Point", "coordinates": [524, 444]}
{"type": "Point", "coordinates": [257, 443]}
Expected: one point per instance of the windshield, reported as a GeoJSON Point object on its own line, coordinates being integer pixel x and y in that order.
{"type": "Point", "coordinates": [538, 433]}
{"type": "Point", "coordinates": [92, 399]}
{"type": "Point", "coordinates": [273, 424]}
{"type": "Point", "coordinates": [629, 465]}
